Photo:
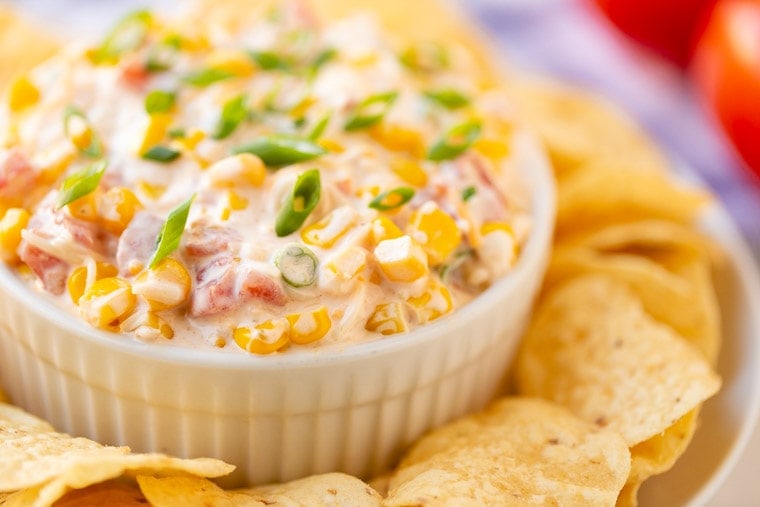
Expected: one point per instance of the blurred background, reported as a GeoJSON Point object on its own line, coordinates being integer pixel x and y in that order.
{"type": "Point", "coordinates": [688, 71]}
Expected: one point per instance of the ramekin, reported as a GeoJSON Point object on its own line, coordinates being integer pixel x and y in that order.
{"type": "Point", "coordinates": [351, 409]}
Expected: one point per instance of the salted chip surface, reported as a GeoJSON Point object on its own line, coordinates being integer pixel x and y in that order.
{"type": "Point", "coordinates": [41, 465]}
{"type": "Point", "coordinates": [519, 451]}
{"type": "Point", "coordinates": [333, 490]}
{"type": "Point", "coordinates": [577, 126]}
{"type": "Point", "coordinates": [192, 491]}
{"type": "Point", "coordinates": [603, 195]}
{"type": "Point", "coordinates": [593, 349]}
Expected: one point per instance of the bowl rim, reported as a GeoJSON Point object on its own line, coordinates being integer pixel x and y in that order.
{"type": "Point", "coordinates": [539, 179]}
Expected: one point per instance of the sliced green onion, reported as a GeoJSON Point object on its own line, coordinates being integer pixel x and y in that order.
{"type": "Point", "coordinates": [426, 57]}
{"type": "Point", "coordinates": [371, 111]}
{"type": "Point", "coordinates": [299, 204]}
{"type": "Point", "coordinates": [269, 60]}
{"type": "Point", "coordinates": [81, 183]}
{"type": "Point", "coordinates": [207, 77]}
{"type": "Point", "coordinates": [319, 128]}
{"type": "Point", "coordinates": [162, 154]}
{"type": "Point", "coordinates": [448, 98]}
{"type": "Point", "coordinates": [171, 232]}
{"type": "Point", "coordinates": [322, 59]}
{"type": "Point", "coordinates": [159, 101]}
{"type": "Point", "coordinates": [459, 259]}
{"type": "Point", "coordinates": [161, 57]}
{"type": "Point", "coordinates": [468, 193]}
{"type": "Point", "coordinates": [455, 142]}
{"type": "Point", "coordinates": [297, 264]}
{"type": "Point", "coordinates": [280, 150]}
{"type": "Point", "coordinates": [127, 35]}
{"type": "Point", "coordinates": [92, 150]}
{"type": "Point", "coordinates": [392, 199]}
{"type": "Point", "coordinates": [233, 114]}
{"type": "Point", "coordinates": [177, 133]}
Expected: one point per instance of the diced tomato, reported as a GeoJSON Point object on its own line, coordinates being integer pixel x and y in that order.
{"type": "Point", "coordinates": [17, 176]}
{"type": "Point", "coordinates": [51, 270]}
{"type": "Point", "coordinates": [256, 285]}
{"type": "Point", "coordinates": [202, 240]}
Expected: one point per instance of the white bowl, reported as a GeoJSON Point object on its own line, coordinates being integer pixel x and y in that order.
{"type": "Point", "coordinates": [280, 417]}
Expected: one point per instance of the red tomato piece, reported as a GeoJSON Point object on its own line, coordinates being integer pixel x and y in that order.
{"type": "Point", "coordinates": [726, 66]}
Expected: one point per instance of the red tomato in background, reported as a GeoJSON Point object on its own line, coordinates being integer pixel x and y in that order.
{"type": "Point", "coordinates": [666, 26]}
{"type": "Point", "coordinates": [726, 67]}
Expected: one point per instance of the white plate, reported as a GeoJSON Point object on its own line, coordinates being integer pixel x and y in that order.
{"type": "Point", "coordinates": [729, 419]}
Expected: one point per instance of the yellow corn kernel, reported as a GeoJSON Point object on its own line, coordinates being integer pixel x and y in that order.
{"type": "Point", "coordinates": [365, 60]}
{"type": "Point", "coordinates": [409, 171]}
{"type": "Point", "coordinates": [165, 286]}
{"type": "Point", "coordinates": [331, 145]}
{"type": "Point", "coordinates": [84, 208]}
{"type": "Point", "coordinates": [300, 109]}
{"type": "Point", "coordinates": [433, 303]}
{"type": "Point", "coordinates": [436, 231]}
{"type": "Point", "coordinates": [330, 228]}
{"type": "Point", "coordinates": [13, 222]}
{"type": "Point", "coordinates": [158, 125]}
{"type": "Point", "coordinates": [77, 282]}
{"type": "Point", "coordinates": [401, 259]}
{"type": "Point", "coordinates": [150, 190]}
{"type": "Point", "coordinates": [116, 209]}
{"type": "Point", "coordinates": [234, 202]}
{"type": "Point", "coordinates": [80, 132]}
{"type": "Point", "coordinates": [490, 227]}
{"type": "Point", "coordinates": [348, 263]}
{"type": "Point", "coordinates": [309, 327]}
{"type": "Point", "coordinates": [191, 139]}
{"type": "Point", "coordinates": [383, 228]}
{"type": "Point", "coordinates": [237, 170]}
{"type": "Point", "coordinates": [495, 149]}
{"type": "Point", "coordinates": [236, 63]}
{"type": "Point", "coordinates": [387, 319]}
{"type": "Point", "coordinates": [399, 138]}
{"type": "Point", "coordinates": [22, 94]}
{"type": "Point", "coordinates": [106, 302]}
{"type": "Point", "coordinates": [265, 338]}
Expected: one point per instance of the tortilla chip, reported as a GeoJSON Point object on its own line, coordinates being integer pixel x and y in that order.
{"type": "Point", "coordinates": [675, 289]}
{"type": "Point", "coordinates": [597, 196]}
{"type": "Point", "coordinates": [519, 451]}
{"type": "Point", "coordinates": [593, 349]}
{"type": "Point", "coordinates": [577, 126]}
{"type": "Point", "coordinates": [191, 492]}
{"type": "Point", "coordinates": [4, 397]}
{"type": "Point", "coordinates": [46, 464]}
{"type": "Point", "coordinates": [114, 493]}
{"type": "Point", "coordinates": [22, 45]}
{"type": "Point", "coordinates": [334, 489]}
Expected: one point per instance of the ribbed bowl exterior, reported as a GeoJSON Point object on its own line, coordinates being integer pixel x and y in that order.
{"type": "Point", "coordinates": [276, 419]}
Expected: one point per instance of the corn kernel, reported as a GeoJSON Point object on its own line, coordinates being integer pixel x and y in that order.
{"type": "Point", "coordinates": [158, 125]}
{"type": "Point", "coordinates": [150, 190]}
{"type": "Point", "coordinates": [84, 208]}
{"type": "Point", "coordinates": [300, 109]}
{"type": "Point", "coordinates": [22, 94]}
{"type": "Point", "coordinates": [165, 286]}
{"type": "Point", "coordinates": [265, 338]}
{"type": "Point", "coordinates": [234, 202]}
{"type": "Point", "coordinates": [383, 228]}
{"type": "Point", "coordinates": [433, 303]}
{"type": "Point", "coordinates": [436, 231]}
{"type": "Point", "coordinates": [191, 140]}
{"type": "Point", "coordinates": [409, 171]}
{"type": "Point", "coordinates": [13, 222]}
{"type": "Point", "coordinates": [116, 209]}
{"type": "Point", "coordinates": [348, 263]}
{"type": "Point", "coordinates": [399, 138]}
{"type": "Point", "coordinates": [237, 170]}
{"type": "Point", "coordinates": [387, 319]}
{"type": "Point", "coordinates": [78, 279]}
{"type": "Point", "coordinates": [331, 145]}
{"type": "Point", "coordinates": [236, 63]}
{"type": "Point", "coordinates": [55, 162]}
{"type": "Point", "coordinates": [494, 149]}
{"type": "Point", "coordinates": [80, 132]}
{"type": "Point", "coordinates": [330, 228]}
{"type": "Point", "coordinates": [309, 327]}
{"type": "Point", "coordinates": [106, 302]}
{"type": "Point", "coordinates": [401, 259]}
{"type": "Point", "coordinates": [490, 227]}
